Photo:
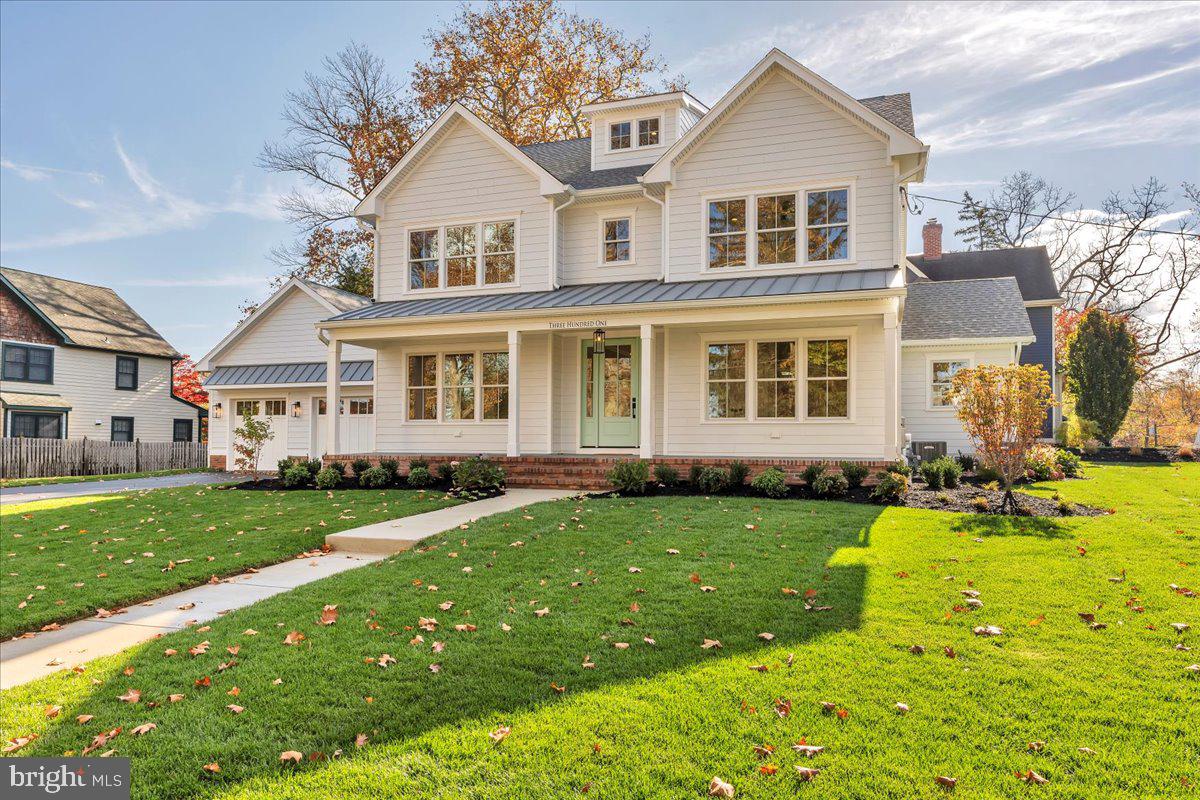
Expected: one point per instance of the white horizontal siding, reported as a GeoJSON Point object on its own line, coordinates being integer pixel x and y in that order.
{"type": "Point", "coordinates": [87, 380]}
{"type": "Point", "coordinates": [303, 436]}
{"type": "Point", "coordinates": [465, 177]}
{"type": "Point", "coordinates": [938, 425]}
{"type": "Point", "coordinates": [581, 256]}
{"type": "Point", "coordinates": [781, 136]}
{"type": "Point", "coordinates": [287, 334]}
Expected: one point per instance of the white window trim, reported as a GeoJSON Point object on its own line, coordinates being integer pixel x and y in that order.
{"type": "Point", "coordinates": [929, 359]}
{"type": "Point", "coordinates": [751, 195]}
{"type": "Point", "coordinates": [801, 338]}
{"type": "Point", "coordinates": [441, 226]}
{"type": "Point", "coordinates": [633, 133]}
{"type": "Point", "coordinates": [440, 385]}
{"type": "Point", "coordinates": [608, 216]}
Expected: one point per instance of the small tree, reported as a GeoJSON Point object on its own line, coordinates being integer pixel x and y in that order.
{"type": "Point", "coordinates": [1002, 409]}
{"type": "Point", "coordinates": [249, 441]}
{"type": "Point", "coordinates": [1102, 370]}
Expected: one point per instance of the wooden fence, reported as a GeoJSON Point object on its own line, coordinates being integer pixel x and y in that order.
{"type": "Point", "coordinates": [44, 458]}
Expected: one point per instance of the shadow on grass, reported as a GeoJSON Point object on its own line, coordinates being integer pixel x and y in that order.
{"type": "Point", "coordinates": [604, 572]}
{"type": "Point", "coordinates": [1005, 525]}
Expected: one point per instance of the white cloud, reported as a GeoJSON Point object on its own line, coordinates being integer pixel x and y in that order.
{"type": "Point", "coordinates": [152, 208]}
{"type": "Point", "coordinates": [35, 173]}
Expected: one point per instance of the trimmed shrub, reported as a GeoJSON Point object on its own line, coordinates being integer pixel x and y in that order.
{"type": "Point", "coordinates": [900, 468]}
{"type": "Point", "coordinates": [771, 482]}
{"type": "Point", "coordinates": [418, 462]}
{"type": "Point", "coordinates": [391, 467]}
{"type": "Point", "coordinates": [951, 472]}
{"type": "Point", "coordinates": [445, 470]}
{"type": "Point", "coordinates": [811, 473]}
{"type": "Point", "coordinates": [712, 480]}
{"type": "Point", "coordinates": [931, 471]}
{"type": "Point", "coordinates": [478, 474]}
{"type": "Point", "coordinates": [1064, 508]}
{"type": "Point", "coordinates": [738, 473]}
{"type": "Point", "coordinates": [419, 477]}
{"type": "Point", "coordinates": [373, 478]}
{"type": "Point", "coordinates": [666, 474]}
{"type": "Point", "coordinates": [1070, 464]}
{"type": "Point", "coordinates": [314, 466]}
{"type": "Point", "coordinates": [328, 478]}
{"type": "Point", "coordinates": [855, 473]}
{"type": "Point", "coordinates": [986, 474]}
{"type": "Point", "coordinates": [283, 465]}
{"type": "Point", "coordinates": [296, 475]}
{"type": "Point", "coordinates": [694, 475]}
{"type": "Point", "coordinates": [830, 484]}
{"type": "Point", "coordinates": [360, 465]}
{"type": "Point", "coordinates": [630, 477]}
{"type": "Point", "coordinates": [967, 462]}
{"type": "Point", "coordinates": [891, 488]}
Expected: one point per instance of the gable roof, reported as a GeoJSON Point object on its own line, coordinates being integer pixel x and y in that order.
{"type": "Point", "coordinates": [86, 315]}
{"type": "Point", "coordinates": [1029, 265]}
{"type": "Point", "coordinates": [986, 308]}
{"type": "Point", "coordinates": [333, 300]}
{"type": "Point", "coordinates": [876, 115]}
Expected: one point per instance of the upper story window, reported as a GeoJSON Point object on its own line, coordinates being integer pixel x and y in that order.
{"type": "Point", "coordinates": [648, 132]}
{"type": "Point", "coordinates": [774, 218]}
{"type": "Point", "coordinates": [616, 240]}
{"type": "Point", "coordinates": [618, 136]}
{"type": "Point", "coordinates": [127, 373]}
{"type": "Point", "coordinates": [452, 255]}
{"type": "Point", "coordinates": [24, 362]}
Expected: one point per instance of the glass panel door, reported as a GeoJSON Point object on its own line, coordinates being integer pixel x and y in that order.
{"type": "Point", "coordinates": [609, 394]}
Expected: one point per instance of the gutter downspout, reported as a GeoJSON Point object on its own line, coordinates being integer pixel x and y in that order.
{"type": "Point", "coordinates": [555, 281]}
{"type": "Point", "coordinates": [662, 269]}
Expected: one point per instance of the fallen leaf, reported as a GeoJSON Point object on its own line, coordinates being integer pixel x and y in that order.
{"type": "Point", "coordinates": [294, 638]}
{"type": "Point", "coordinates": [360, 740]}
{"type": "Point", "coordinates": [235, 708]}
{"type": "Point", "coordinates": [500, 734]}
{"type": "Point", "coordinates": [294, 756]}
{"type": "Point", "coordinates": [766, 637]}
{"type": "Point", "coordinates": [52, 711]}
{"type": "Point", "coordinates": [132, 696]}
{"type": "Point", "coordinates": [83, 719]}
{"type": "Point", "coordinates": [213, 767]}
{"type": "Point", "coordinates": [768, 769]}
{"type": "Point", "coordinates": [329, 615]}
{"type": "Point", "coordinates": [902, 709]}
{"type": "Point", "coordinates": [541, 612]}
{"type": "Point", "coordinates": [987, 630]}
{"type": "Point", "coordinates": [946, 781]}
{"type": "Point", "coordinates": [710, 644]}
{"type": "Point", "coordinates": [1032, 777]}
{"type": "Point", "coordinates": [141, 729]}
{"type": "Point", "coordinates": [807, 773]}
{"type": "Point", "coordinates": [808, 750]}
{"type": "Point", "coordinates": [175, 698]}
{"type": "Point", "coordinates": [719, 788]}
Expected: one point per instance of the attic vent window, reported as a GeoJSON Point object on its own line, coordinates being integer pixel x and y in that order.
{"type": "Point", "coordinates": [618, 136]}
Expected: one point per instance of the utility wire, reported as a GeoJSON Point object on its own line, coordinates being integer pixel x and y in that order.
{"type": "Point", "coordinates": [1060, 219]}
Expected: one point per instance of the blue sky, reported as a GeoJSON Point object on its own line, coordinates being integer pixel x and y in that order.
{"type": "Point", "coordinates": [129, 132]}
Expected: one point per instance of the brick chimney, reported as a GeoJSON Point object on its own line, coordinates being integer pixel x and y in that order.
{"type": "Point", "coordinates": [931, 235]}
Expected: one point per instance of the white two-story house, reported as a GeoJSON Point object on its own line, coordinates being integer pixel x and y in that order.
{"type": "Point", "coordinates": [690, 284]}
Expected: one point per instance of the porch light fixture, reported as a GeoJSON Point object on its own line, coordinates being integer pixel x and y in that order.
{"type": "Point", "coordinates": [296, 409]}
{"type": "Point", "coordinates": [598, 340]}
{"type": "Point", "coordinates": [218, 412]}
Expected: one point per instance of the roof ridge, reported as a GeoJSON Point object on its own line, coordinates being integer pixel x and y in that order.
{"type": "Point", "coordinates": [64, 280]}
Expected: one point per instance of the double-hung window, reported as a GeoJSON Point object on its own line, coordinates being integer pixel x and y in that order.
{"type": "Point", "coordinates": [122, 429]}
{"type": "Point", "coordinates": [461, 253]}
{"type": "Point", "coordinates": [726, 381]}
{"type": "Point", "coordinates": [828, 225]}
{"type": "Point", "coordinates": [422, 387]}
{"type": "Point", "coordinates": [127, 373]}
{"type": "Point", "coordinates": [775, 379]}
{"type": "Point", "coordinates": [726, 233]}
{"type": "Point", "coordinates": [499, 252]}
{"type": "Point", "coordinates": [458, 386]}
{"type": "Point", "coordinates": [648, 132]}
{"type": "Point", "coordinates": [495, 385]}
{"type": "Point", "coordinates": [776, 225]}
{"type": "Point", "coordinates": [423, 259]}
{"type": "Point", "coordinates": [181, 430]}
{"type": "Point", "coordinates": [470, 254]}
{"type": "Point", "coordinates": [23, 362]}
{"type": "Point", "coordinates": [618, 136]}
{"type": "Point", "coordinates": [617, 240]}
{"type": "Point", "coordinates": [828, 377]}
{"type": "Point", "coordinates": [942, 374]}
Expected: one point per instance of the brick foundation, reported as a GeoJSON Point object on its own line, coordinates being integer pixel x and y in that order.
{"type": "Point", "coordinates": [589, 472]}
{"type": "Point", "coordinates": [216, 462]}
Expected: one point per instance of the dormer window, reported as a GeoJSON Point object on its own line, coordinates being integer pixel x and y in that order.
{"type": "Point", "coordinates": [648, 132]}
{"type": "Point", "coordinates": [618, 136]}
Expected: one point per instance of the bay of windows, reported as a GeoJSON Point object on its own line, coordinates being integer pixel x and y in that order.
{"type": "Point", "coordinates": [455, 252]}
{"type": "Point", "coordinates": [773, 218]}
{"type": "Point", "coordinates": [458, 387]}
{"type": "Point", "coordinates": [776, 380]}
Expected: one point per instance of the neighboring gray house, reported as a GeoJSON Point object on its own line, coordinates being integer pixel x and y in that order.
{"type": "Point", "coordinates": [79, 362]}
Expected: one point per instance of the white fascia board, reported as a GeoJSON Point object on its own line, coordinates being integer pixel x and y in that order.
{"type": "Point", "coordinates": [983, 341]}
{"type": "Point", "coordinates": [682, 98]}
{"type": "Point", "coordinates": [371, 206]}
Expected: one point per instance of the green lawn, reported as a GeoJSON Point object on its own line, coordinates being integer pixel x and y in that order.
{"type": "Point", "coordinates": [16, 483]}
{"type": "Point", "coordinates": [660, 720]}
{"type": "Point", "coordinates": [66, 557]}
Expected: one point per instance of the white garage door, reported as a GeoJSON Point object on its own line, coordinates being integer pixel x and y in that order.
{"type": "Point", "coordinates": [356, 425]}
{"type": "Point", "coordinates": [272, 411]}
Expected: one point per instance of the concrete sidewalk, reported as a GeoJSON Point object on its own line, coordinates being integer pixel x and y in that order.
{"type": "Point", "coordinates": [29, 494]}
{"type": "Point", "coordinates": [24, 660]}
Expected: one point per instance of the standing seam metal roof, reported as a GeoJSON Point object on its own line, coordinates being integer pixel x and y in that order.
{"type": "Point", "coordinates": [270, 374]}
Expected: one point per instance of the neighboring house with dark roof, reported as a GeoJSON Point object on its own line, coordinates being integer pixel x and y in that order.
{"type": "Point", "coordinates": [689, 282]}
{"type": "Point", "coordinates": [273, 366]}
{"type": "Point", "coordinates": [79, 362]}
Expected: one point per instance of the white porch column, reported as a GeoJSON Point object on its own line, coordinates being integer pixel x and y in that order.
{"type": "Point", "coordinates": [333, 394]}
{"type": "Point", "coordinates": [514, 393]}
{"type": "Point", "coordinates": [646, 389]}
{"type": "Point", "coordinates": [891, 386]}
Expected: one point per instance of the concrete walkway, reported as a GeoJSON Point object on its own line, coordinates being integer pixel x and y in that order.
{"type": "Point", "coordinates": [24, 660]}
{"type": "Point", "coordinates": [29, 494]}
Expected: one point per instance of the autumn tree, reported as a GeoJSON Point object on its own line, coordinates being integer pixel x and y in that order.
{"type": "Point", "coordinates": [528, 67]}
{"type": "Point", "coordinates": [1002, 409]}
{"type": "Point", "coordinates": [249, 441]}
{"type": "Point", "coordinates": [1102, 370]}
{"type": "Point", "coordinates": [186, 383]}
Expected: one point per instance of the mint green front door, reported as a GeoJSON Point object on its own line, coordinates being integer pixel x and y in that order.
{"type": "Point", "coordinates": [609, 394]}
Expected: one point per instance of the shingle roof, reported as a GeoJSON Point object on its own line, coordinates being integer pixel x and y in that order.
{"type": "Point", "coordinates": [987, 308]}
{"type": "Point", "coordinates": [1029, 265]}
{"type": "Point", "coordinates": [33, 400]}
{"type": "Point", "coordinates": [89, 316]}
{"type": "Point", "coordinates": [570, 160]}
{"type": "Point", "coordinates": [274, 374]}
{"type": "Point", "coordinates": [340, 299]}
{"type": "Point", "coordinates": [628, 293]}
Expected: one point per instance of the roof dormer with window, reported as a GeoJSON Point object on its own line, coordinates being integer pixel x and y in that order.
{"type": "Point", "coordinates": [638, 130]}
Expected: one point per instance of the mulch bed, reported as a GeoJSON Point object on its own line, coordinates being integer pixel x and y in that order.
{"type": "Point", "coordinates": [1123, 455]}
{"type": "Point", "coordinates": [276, 485]}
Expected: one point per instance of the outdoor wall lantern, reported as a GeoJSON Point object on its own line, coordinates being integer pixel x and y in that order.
{"type": "Point", "coordinates": [218, 412]}
{"type": "Point", "coordinates": [598, 340]}
{"type": "Point", "coordinates": [296, 409]}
